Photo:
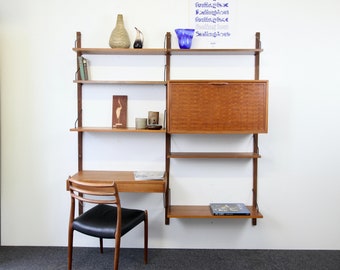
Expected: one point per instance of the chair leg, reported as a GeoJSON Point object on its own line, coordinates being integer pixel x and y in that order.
{"type": "Point", "coordinates": [146, 237]}
{"type": "Point", "coordinates": [116, 253]}
{"type": "Point", "coordinates": [101, 245]}
{"type": "Point", "coordinates": [70, 249]}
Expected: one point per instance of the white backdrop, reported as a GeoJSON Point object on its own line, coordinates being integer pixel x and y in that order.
{"type": "Point", "coordinates": [299, 174]}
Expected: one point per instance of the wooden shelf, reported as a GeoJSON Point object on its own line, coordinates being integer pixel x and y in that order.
{"type": "Point", "coordinates": [203, 211]}
{"type": "Point", "coordinates": [125, 181]}
{"type": "Point", "coordinates": [157, 51]}
{"type": "Point", "coordinates": [215, 51]}
{"type": "Point", "coordinates": [120, 82]}
{"type": "Point", "coordinates": [109, 129]}
{"type": "Point", "coordinates": [213, 155]}
{"type": "Point", "coordinates": [110, 51]}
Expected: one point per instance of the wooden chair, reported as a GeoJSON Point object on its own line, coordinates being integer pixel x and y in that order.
{"type": "Point", "coordinates": [107, 219]}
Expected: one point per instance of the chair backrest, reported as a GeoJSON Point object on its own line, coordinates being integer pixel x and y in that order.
{"type": "Point", "coordinates": [93, 192]}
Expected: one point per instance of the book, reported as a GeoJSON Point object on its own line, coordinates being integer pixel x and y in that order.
{"type": "Point", "coordinates": [83, 68]}
{"type": "Point", "coordinates": [229, 209]}
{"type": "Point", "coordinates": [85, 63]}
{"type": "Point", "coordinates": [149, 175]}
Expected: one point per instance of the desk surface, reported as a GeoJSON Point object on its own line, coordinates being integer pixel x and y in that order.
{"type": "Point", "coordinates": [125, 181]}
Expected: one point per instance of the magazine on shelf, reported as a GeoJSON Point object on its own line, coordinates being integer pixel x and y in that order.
{"type": "Point", "coordinates": [149, 175]}
{"type": "Point", "coordinates": [229, 209]}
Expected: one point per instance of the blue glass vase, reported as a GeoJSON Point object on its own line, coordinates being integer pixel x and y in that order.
{"type": "Point", "coordinates": [184, 37]}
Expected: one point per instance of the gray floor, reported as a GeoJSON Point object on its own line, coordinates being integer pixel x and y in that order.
{"type": "Point", "coordinates": [51, 258]}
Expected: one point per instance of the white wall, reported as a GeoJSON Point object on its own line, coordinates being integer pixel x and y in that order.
{"type": "Point", "coordinates": [298, 173]}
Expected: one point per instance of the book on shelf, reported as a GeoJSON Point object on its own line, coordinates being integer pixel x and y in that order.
{"type": "Point", "coordinates": [149, 175]}
{"type": "Point", "coordinates": [229, 209]}
{"type": "Point", "coordinates": [83, 68]}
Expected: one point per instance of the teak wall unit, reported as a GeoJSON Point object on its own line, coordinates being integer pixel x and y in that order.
{"type": "Point", "coordinates": [240, 107]}
{"type": "Point", "coordinates": [235, 107]}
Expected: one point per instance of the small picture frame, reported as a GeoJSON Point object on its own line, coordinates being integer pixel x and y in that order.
{"type": "Point", "coordinates": [119, 111]}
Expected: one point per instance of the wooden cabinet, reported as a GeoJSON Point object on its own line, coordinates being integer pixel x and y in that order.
{"type": "Point", "coordinates": [217, 106]}
{"type": "Point", "coordinates": [193, 107]}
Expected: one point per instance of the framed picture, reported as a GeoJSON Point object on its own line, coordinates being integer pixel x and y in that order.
{"type": "Point", "coordinates": [119, 111]}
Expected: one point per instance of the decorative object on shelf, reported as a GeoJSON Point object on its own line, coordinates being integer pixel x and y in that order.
{"type": "Point", "coordinates": [153, 118]}
{"type": "Point", "coordinates": [141, 123]}
{"type": "Point", "coordinates": [119, 111]}
{"type": "Point", "coordinates": [138, 44]}
{"type": "Point", "coordinates": [185, 37]}
{"type": "Point", "coordinates": [154, 127]}
{"type": "Point", "coordinates": [119, 37]}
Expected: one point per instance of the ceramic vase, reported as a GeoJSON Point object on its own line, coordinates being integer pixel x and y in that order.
{"type": "Point", "coordinates": [138, 44]}
{"type": "Point", "coordinates": [119, 37]}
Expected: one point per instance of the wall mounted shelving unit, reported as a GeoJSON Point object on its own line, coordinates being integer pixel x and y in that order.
{"type": "Point", "coordinates": [241, 107]}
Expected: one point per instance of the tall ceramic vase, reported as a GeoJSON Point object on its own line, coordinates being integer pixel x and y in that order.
{"type": "Point", "coordinates": [119, 37]}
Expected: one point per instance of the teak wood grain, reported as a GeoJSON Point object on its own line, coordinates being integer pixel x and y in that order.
{"type": "Point", "coordinates": [203, 211]}
{"type": "Point", "coordinates": [119, 130]}
{"type": "Point", "coordinates": [218, 106]}
{"type": "Point", "coordinates": [125, 181]}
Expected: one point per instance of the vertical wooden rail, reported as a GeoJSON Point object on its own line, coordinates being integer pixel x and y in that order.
{"type": "Point", "coordinates": [79, 115]}
{"type": "Point", "coordinates": [255, 160]}
{"type": "Point", "coordinates": [167, 169]}
{"type": "Point", "coordinates": [79, 108]}
{"type": "Point", "coordinates": [257, 55]}
{"type": "Point", "coordinates": [255, 136]}
{"type": "Point", "coordinates": [168, 48]}
{"type": "Point", "coordinates": [168, 137]}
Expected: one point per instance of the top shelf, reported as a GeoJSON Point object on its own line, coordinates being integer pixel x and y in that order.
{"type": "Point", "coordinates": [109, 51]}
{"type": "Point", "coordinates": [215, 51]}
{"type": "Point", "coordinates": [167, 50]}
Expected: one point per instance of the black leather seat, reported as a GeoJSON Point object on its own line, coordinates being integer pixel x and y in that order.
{"type": "Point", "coordinates": [100, 221]}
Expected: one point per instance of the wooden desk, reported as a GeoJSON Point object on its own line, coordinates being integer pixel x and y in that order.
{"type": "Point", "coordinates": [125, 181]}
